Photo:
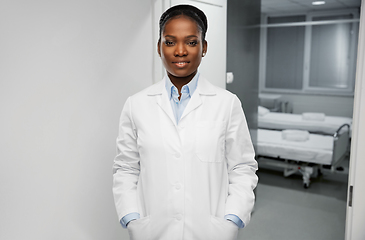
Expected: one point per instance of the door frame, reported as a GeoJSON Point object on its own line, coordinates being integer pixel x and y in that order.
{"type": "Point", "coordinates": [355, 214]}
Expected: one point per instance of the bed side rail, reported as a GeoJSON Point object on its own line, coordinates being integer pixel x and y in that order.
{"type": "Point", "coordinates": [341, 144]}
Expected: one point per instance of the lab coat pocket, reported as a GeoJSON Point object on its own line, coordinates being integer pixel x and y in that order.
{"type": "Point", "coordinates": [223, 229]}
{"type": "Point", "coordinates": [210, 141]}
{"type": "Point", "coordinates": [139, 229]}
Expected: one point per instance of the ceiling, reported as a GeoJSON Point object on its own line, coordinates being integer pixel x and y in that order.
{"type": "Point", "coordinates": [286, 6]}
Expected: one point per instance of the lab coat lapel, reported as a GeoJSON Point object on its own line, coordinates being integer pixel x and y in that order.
{"type": "Point", "coordinates": [203, 88]}
{"type": "Point", "coordinates": [194, 103]}
{"type": "Point", "coordinates": [159, 91]}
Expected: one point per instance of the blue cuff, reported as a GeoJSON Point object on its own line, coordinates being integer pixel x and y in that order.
{"type": "Point", "coordinates": [235, 219]}
{"type": "Point", "coordinates": [129, 217]}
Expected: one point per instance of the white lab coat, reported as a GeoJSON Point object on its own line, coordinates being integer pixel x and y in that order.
{"type": "Point", "coordinates": [183, 179]}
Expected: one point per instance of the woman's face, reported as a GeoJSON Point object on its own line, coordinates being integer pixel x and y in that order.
{"type": "Point", "coordinates": [181, 47]}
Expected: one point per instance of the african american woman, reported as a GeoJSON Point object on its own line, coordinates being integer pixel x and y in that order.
{"type": "Point", "coordinates": [185, 166]}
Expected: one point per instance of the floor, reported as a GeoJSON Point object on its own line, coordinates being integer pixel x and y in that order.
{"type": "Point", "coordinates": [285, 210]}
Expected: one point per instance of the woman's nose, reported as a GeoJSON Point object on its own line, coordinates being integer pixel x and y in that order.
{"type": "Point", "coordinates": [180, 50]}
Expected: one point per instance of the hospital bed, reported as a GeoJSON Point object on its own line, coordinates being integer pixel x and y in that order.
{"type": "Point", "coordinates": [306, 155]}
{"type": "Point", "coordinates": [312, 122]}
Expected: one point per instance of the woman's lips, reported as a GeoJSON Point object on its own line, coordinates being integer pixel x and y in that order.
{"type": "Point", "coordinates": [181, 64]}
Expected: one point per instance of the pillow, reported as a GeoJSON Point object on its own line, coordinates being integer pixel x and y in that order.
{"type": "Point", "coordinates": [263, 111]}
{"type": "Point", "coordinates": [312, 116]}
{"type": "Point", "coordinates": [295, 135]}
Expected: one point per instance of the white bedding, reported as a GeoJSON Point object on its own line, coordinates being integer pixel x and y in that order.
{"type": "Point", "coordinates": [275, 120]}
{"type": "Point", "coordinates": [317, 149]}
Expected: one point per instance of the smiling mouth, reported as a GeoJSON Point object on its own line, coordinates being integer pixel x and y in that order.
{"type": "Point", "coordinates": [181, 64]}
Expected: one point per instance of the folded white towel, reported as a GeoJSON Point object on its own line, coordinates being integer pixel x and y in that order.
{"type": "Point", "coordinates": [295, 135]}
{"type": "Point", "coordinates": [313, 116]}
{"type": "Point", "coordinates": [263, 111]}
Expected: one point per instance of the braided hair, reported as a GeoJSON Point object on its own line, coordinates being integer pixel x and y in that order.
{"type": "Point", "coordinates": [189, 11]}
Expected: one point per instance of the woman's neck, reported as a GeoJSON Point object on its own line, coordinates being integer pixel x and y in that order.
{"type": "Point", "coordinates": [179, 82]}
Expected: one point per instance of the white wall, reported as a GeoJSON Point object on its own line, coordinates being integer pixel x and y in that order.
{"type": "Point", "coordinates": [66, 68]}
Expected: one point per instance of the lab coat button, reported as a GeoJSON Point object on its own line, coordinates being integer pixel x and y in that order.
{"type": "Point", "coordinates": [177, 186]}
{"type": "Point", "coordinates": [178, 217]}
{"type": "Point", "coordinates": [177, 155]}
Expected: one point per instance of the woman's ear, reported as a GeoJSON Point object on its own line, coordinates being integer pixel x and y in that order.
{"type": "Point", "coordinates": [159, 48]}
{"type": "Point", "coordinates": [205, 47]}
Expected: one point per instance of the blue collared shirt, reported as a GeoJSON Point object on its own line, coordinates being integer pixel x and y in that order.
{"type": "Point", "coordinates": [178, 107]}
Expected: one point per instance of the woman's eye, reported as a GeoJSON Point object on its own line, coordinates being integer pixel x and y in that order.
{"type": "Point", "coordinates": [192, 43]}
{"type": "Point", "coordinates": [169, 43]}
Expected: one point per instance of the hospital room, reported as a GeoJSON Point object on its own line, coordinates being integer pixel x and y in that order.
{"type": "Point", "coordinates": [306, 80]}
{"type": "Point", "coordinates": [68, 67]}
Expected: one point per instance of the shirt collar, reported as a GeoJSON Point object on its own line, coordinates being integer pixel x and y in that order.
{"type": "Point", "coordinates": [190, 86]}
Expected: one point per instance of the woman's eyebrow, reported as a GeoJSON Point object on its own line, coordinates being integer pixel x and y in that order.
{"type": "Point", "coordinates": [170, 36]}
{"type": "Point", "coordinates": [191, 36]}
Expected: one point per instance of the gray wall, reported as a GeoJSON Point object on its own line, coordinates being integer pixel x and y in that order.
{"type": "Point", "coordinates": [243, 39]}
{"type": "Point", "coordinates": [329, 105]}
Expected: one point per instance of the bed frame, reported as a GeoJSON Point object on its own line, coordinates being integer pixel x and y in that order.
{"type": "Point", "coordinates": [292, 165]}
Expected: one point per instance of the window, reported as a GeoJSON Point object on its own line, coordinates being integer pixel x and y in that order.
{"type": "Point", "coordinates": [330, 53]}
{"type": "Point", "coordinates": [309, 53]}
{"type": "Point", "coordinates": [285, 54]}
